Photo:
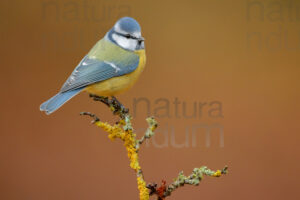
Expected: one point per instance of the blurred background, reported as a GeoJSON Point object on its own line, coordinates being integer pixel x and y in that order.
{"type": "Point", "coordinates": [222, 79]}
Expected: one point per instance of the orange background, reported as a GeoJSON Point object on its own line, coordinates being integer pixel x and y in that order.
{"type": "Point", "coordinates": [197, 51]}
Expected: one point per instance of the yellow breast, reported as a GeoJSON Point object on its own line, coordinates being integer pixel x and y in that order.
{"type": "Point", "coordinates": [117, 85]}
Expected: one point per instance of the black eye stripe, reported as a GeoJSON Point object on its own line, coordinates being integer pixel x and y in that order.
{"type": "Point", "coordinates": [127, 35]}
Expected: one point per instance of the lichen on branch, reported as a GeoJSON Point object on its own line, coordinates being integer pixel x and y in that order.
{"type": "Point", "coordinates": [124, 131]}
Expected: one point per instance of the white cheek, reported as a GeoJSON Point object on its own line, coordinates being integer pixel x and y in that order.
{"type": "Point", "coordinates": [126, 43]}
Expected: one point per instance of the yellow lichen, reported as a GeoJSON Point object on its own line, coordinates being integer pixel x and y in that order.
{"type": "Point", "coordinates": [130, 141]}
{"type": "Point", "coordinates": [144, 194]}
{"type": "Point", "coordinates": [218, 173]}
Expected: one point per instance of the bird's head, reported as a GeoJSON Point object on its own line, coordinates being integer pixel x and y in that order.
{"type": "Point", "coordinates": [126, 33]}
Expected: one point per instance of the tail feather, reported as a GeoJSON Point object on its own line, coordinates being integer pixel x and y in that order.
{"type": "Point", "coordinates": [58, 100]}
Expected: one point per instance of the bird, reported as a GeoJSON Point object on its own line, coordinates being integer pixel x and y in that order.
{"type": "Point", "coordinates": [111, 67]}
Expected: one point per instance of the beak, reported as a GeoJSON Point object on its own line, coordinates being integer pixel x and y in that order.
{"type": "Point", "coordinates": [141, 39]}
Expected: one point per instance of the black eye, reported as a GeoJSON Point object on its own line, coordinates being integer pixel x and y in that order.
{"type": "Point", "coordinates": [127, 36]}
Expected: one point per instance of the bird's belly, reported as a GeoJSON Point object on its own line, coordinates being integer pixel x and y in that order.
{"type": "Point", "coordinates": [120, 84]}
{"type": "Point", "coordinates": [111, 87]}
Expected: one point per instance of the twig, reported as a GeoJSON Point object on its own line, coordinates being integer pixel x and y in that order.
{"type": "Point", "coordinates": [193, 179]}
{"type": "Point", "coordinates": [152, 125]}
{"type": "Point", "coordinates": [96, 119]}
{"type": "Point", "coordinates": [113, 104]}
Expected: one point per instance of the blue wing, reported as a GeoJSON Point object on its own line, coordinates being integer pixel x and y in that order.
{"type": "Point", "coordinates": [104, 61]}
{"type": "Point", "coordinates": [92, 70]}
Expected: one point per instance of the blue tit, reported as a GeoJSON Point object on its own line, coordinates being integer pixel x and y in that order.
{"type": "Point", "coordinates": [111, 67]}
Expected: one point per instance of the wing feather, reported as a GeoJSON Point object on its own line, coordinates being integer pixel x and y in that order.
{"type": "Point", "coordinates": [92, 70]}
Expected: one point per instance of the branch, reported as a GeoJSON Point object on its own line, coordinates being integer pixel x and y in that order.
{"type": "Point", "coordinates": [123, 130]}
